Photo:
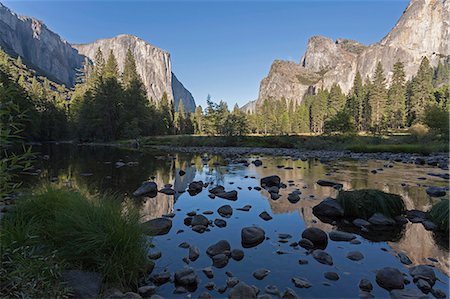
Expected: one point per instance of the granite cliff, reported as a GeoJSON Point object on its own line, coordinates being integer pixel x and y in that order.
{"type": "Point", "coordinates": [422, 30]}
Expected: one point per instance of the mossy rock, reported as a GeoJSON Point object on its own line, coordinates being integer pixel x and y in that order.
{"type": "Point", "coordinates": [439, 214]}
{"type": "Point", "coordinates": [366, 202]}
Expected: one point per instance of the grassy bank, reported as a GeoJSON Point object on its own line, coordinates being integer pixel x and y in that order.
{"type": "Point", "coordinates": [356, 143]}
{"type": "Point", "coordinates": [57, 229]}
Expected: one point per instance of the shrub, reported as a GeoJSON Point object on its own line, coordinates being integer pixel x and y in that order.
{"type": "Point", "coordinates": [340, 123]}
{"type": "Point", "coordinates": [366, 202]}
{"type": "Point", "coordinates": [437, 119]}
{"type": "Point", "coordinates": [418, 131]}
{"type": "Point", "coordinates": [439, 214]}
{"type": "Point", "coordinates": [90, 233]}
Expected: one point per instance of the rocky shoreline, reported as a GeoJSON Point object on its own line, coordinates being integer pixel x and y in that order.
{"type": "Point", "coordinates": [440, 160]}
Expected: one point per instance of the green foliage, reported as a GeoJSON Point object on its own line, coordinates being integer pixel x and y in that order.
{"type": "Point", "coordinates": [377, 99]}
{"type": "Point", "coordinates": [418, 131]}
{"type": "Point", "coordinates": [340, 123]}
{"type": "Point", "coordinates": [396, 104]}
{"type": "Point", "coordinates": [366, 202]}
{"type": "Point", "coordinates": [421, 90]}
{"type": "Point", "coordinates": [439, 214]}
{"type": "Point", "coordinates": [437, 119]}
{"type": "Point", "coordinates": [90, 233]}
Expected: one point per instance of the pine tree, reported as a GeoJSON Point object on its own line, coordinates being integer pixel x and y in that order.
{"type": "Point", "coordinates": [198, 120]}
{"type": "Point", "coordinates": [130, 74]}
{"type": "Point", "coordinates": [422, 89]}
{"type": "Point", "coordinates": [111, 68]}
{"type": "Point", "coordinates": [336, 100]}
{"type": "Point", "coordinates": [441, 75]}
{"type": "Point", "coordinates": [97, 73]}
{"type": "Point", "coordinates": [166, 113]}
{"type": "Point", "coordinates": [318, 110]}
{"type": "Point", "coordinates": [378, 98]}
{"type": "Point", "coordinates": [180, 119]}
{"type": "Point", "coordinates": [356, 101]}
{"type": "Point", "coordinates": [396, 107]}
{"type": "Point", "coordinates": [366, 109]}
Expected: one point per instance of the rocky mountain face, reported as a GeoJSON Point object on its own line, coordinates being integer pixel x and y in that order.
{"type": "Point", "coordinates": [423, 30]}
{"type": "Point", "coordinates": [48, 53]}
{"type": "Point", "coordinates": [39, 47]}
{"type": "Point", "coordinates": [250, 107]}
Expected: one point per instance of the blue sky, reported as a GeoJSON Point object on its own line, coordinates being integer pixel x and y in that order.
{"type": "Point", "coordinates": [222, 48]}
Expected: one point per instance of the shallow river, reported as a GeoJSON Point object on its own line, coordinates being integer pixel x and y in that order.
{"type": "Point", "coordinates": [94, 168]}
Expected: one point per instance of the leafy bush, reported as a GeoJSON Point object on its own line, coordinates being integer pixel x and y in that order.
{"type": "Point", "coordinates": [87, 233]}
{"type": "Point", "coordinates": [340, 123]}
{"type": "Point", "coordinates": [418, 131]}
{"type": "Point", "coordinates": [439, 214]}
{"type": "Point", "coordinates": [366, 202]}
{"type": "Point", "coordinates": [437, 119]}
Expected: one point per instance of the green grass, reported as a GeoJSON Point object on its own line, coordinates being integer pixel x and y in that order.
{"type": "Point", "coordinates": [395, 143]}
{"type": "Point", "coordinates": [365, 202]}
{"type": "Point", "coordinates": [78, 231]}
{"type": "Point", "coordinates": [439, 214]}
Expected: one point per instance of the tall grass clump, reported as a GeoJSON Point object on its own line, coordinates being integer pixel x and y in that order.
{"type": "Point", "coordinates": [366, 202]}
{"type": "Point", "coordinates": [439, 214]}
{"type": "Point", "coordinates": [83, 232]}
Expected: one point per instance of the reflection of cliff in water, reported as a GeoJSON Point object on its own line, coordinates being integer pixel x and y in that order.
{"type": "Point", "coordinates": [419, 245]}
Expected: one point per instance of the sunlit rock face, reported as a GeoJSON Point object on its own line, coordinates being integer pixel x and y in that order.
{"type": "Point", "coordinates": [39, 47]}
{"type": "Point", "coordinates": [423, 30]}
{"type": "Point", "coordinates": [153, 65]}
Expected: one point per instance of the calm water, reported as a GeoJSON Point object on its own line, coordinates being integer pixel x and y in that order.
{"type": "Point", "coordinates": [94, 168]}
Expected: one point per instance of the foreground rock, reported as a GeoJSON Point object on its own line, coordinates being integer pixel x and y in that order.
{"type": "Point", "coordinates": [241, 291]}
{"type": "Point", "coordinates": [252, 236]}
{"type": "Point", "coordinates": [218, 248]}
{"type": "Point", "coordinates": [329, 208]}
{"type": "Point", "coordinates": [317, 236]}
{"type": "Point", "coordinates": [408, 294]}
{"type": "Point", "coordinates": [322, 257]}
{"type": "Point", "coordinates": [157, 226]}
{"type": "Point", "coordinates": [390, 278]}
{"type": "Point", "coordinates": [146, 188]}
{"type": "Point", "coordinates": [436, 191]}
{"type": "Point", "coordinates": [423, 272]}
{"type": "Point", "coordinates": [340, 236]}
{"type": "Point", "coordinates": [271, 181]}
{"type": "Point", "coordinates": [186, 277]}
{"type": "Point", "coordinates": [83, 284]}
{"type": "Point", "coordinates": [326, 183]}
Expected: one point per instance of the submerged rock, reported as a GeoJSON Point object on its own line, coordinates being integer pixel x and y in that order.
{"type": "Point", "coordinates": [218, 248]}
{"type": "Point", "coordinates": [317, 236]}
{"type": "Point", "coordinates": [407, 294]}
{"type": "Point", "coordinates": [301, 282]}
{"type": "Point", "coordinates": [322, 257]}
{"type": "Point", "coordinates": [365, 285]}
{"type": "Point", "coordinates": [261, 273]}
{"type": "Point", "coordinates": [252, 236]}
{"type": "Point", "coordinates": [157, 226]}
{"type": "Point", "coordinates": [326, 183]}
{"type": "Point", "coordinates": [242, 290]}
{"type": "Point", "coordinates": [220, 223]}
{"type": "Point", "coordinates": [225, 211]}
{"type": "Point", "coordinates": [355, 256]}
{"type": "Point", "coordinates": [390, 278]}
{"type": "Point", "coordinates": [340, 236]}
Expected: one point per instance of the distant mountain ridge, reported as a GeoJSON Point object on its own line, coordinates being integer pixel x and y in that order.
{"type": "Point", "coordinates": [422, 30]}
{"type": "Point", "coordinates": [50, 55]}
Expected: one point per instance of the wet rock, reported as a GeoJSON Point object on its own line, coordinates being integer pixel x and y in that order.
{"type": "Point", "coordinates": [208, 212]}
{"type": "Point", "coordinates": [365, 285]}
{"type": "Point", "coordinates": [146, 188]}
{"type": "Point", "coordinates": [184, 245]}
{"type": "Point", "coordinates": [355, 242]}
{"type": "Point", "coordinates": [358, 222]}
{"type": "Point", "coordinates": [220, 223]}
{"type": "Point", "coordinates": [199, 220]}
{"type": "Point", "coordinates": [181, 172]}
{"type": "Point", "coordinates": [437, 293]}
{"type": "Point", "coordinates": [355, 256]}
{"type": "Point", "coordinates": [191, 213]}
{"type": "Point", "coordinates": [270, 181]}
{"type": "Point", "coordinates": [82, 283]}
{"type": "Point", "coordinates": [217, 189]}
{"type": "Point", "coordinates": [407, 294]}
{"type": "Point", "coordinates": [252, 236]}
{"type": "Point", "coordinates": [180, 290]}
{"type": "Point", "coordinates": [423, 285]}
{"type": "Point", "coordinates": [245, 208]}
{"type": "Point", "coordinates": [329, 208]}
{"type": "Point", "coordinates": [272, 289]}
{"type": "Point", "coordinates": [301, 282]}
{"type": "Point", "coordinates": [326, 183]}
{"type": "Point", "coordinates": [303, 262]}
{"type": "Point", "coordinates": [208, 272]}
{"type": "Point", "coordinates": [160, 278]}
{"type": "Point", "coordinates": [424, 272]}
{"type": "Point", "coordinates": [317, 236]}
{"type": "Point", "coordinates": [147, 291]}
{"type": "Point", "coordinates": [204, 295]}
{"type": "Point", "coordinates": [232, 281]}
{"type": "Point", "coordinates": [225, 211]}
{"type": "Point", "coordinates": [390, 278]}
{"type": "Point", "coordinates": [404, 259]}
{"type": "Point", "coordinates": [265, 216]}
{"type": "Point", "coordinates": [199, 228]}
{"type": "Point", "coordinates": [274, 196]}
{"type": "Point", "coordinates": [331, 276]}
{"type": "Point", "coordinates": [293, 197]}
{"type": "Point", "coordinates": [186, 277]}
{"type": "Point", "coordinates": [434, 191]}
{"type": "Point", "coordinates": [195, 187]}
{"type": "Point", "coordinates": [289, 294]}
{"type": "Point", "coordinates": [322, 257]}
{"type": "Point", "coordinates": [157, 226]}
{"type": "Point", "coordinates": [154, 255]}
{"type": "Point", "coordinates": [194, 253]}
{"type": "Point", "coordinates": [340, 236]}
{"type": "Point", "coordinates": [429, 225]}
{"type": "Point", "coordinates": [237, 254]}
{"type": "Point", "coordinates": [380, 219]}
{"type": "Point", "coordinates": [167, 191]}
{"type": "Point", "coordinates": [242, 290]}
{"type": "Point", "coordinates": [261, 273]}
{"type": "Point", "coordinates": [230, 195]}
{"type": "Point", "coordinates": [257, 162]}
{"type": "Point", "coordinates": [210, 286]}
{"type": "Point", "coordinates": [218, 248]}
{"type": "Point", "coordinates": [284, 236]}
{"type": "Point", "coordinates": [305, 243]}
{"type": "Point", "coordinates": [187, 221]}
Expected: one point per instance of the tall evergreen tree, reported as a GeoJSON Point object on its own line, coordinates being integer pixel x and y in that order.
{"type": "Point", "coordinates": [396, 107]}
{"type": "Point", "coordinates": [356, 101]}
{"type": "Point", "coordinates": [422, 90]}
{"type": "Point", "coordinates": [378, 98]}
{"type": "Point", "coordinates": [336, 100]}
